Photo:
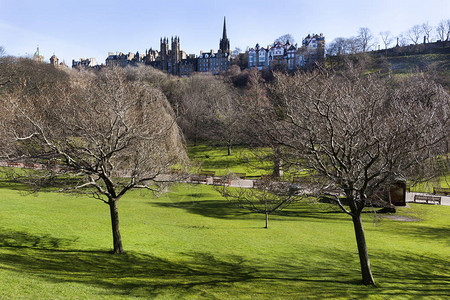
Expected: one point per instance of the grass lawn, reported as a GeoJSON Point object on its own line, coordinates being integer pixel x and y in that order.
{"type": "Point", "coordinates": [216, 159]}
{"type": "Point", "coordinates": [191, 243]}
{"type": "Point", "coordinates": [427, 187]}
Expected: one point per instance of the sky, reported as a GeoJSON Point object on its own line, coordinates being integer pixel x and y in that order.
{"type": "Point", "coordinates": [74, 29]}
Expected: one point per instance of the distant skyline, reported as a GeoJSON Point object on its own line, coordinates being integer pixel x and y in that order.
{"type": "Point", "coordinates": [74, 29]}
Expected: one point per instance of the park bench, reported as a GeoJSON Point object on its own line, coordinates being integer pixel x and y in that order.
{"type": "Point", "coordinates": [14, 164]}
{"type": "Point", "coordinates": [202, 176]}
{"type": "Point", "coordinates": [427, 199]}
{"type": "Point", "coordinates": [441, 191]}
{"type": "Point", "coordinates": [29, 166]}
{"type": "Point", "coordinates": [220, 181]}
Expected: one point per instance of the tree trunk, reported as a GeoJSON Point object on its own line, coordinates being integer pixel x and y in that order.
{"type": "Point", "coordinates": [267, 220]}
{"type": "Point", "coordinates": [267, 213]}
{"type": "Point", "coordinates": [229, 150]}
{"type": "Point", "coordinates": [277, 163]}
{"type": "Point", "coordinates": [117, 239]}
{"type": "Point", "coordinates": [366, 272]}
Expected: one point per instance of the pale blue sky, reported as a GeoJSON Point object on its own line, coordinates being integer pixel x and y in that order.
{"type": "Point", "coordinates": [91, 28]}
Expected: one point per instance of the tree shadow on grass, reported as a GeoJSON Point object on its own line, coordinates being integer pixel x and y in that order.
{"type": "Point", "coordinates": [418, 276]}
{"type": "Point", "coordinates": [222, 209]}
{"type": "Point", "coordinates": [201, 274]}
{"type": "Point", "coordinates": [421, 232]}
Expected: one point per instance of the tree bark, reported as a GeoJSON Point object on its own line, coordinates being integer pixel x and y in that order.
{"type": "Point", "coordinates": [366, 272]}
{"type": "Point", "coordinates": [277, 163]}
{"type": "Point", "coordinates": [117, 239]}
{"type": "Point", "coordinates": [229, 150]}
{"type": "Point", "coordinates": [267, 220]}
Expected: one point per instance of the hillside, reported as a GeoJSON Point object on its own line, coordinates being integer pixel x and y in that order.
{"type": "Point", "coordinates": [430, 59]}
{"type": "Point", "coordinates": [436, 65]}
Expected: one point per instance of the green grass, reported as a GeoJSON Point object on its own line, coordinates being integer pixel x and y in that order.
{"type": "Point", "coordinates": [436, 65]}
{"type": "Point", "coordinates": [427, 187]}
{"type": "Point", "coordinates": [192, 244]}
{"type": "Point", "coordinates": [216, 159]}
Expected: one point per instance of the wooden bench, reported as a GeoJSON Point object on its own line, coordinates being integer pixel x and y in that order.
{"type": "Point", "coordinates": [14, 164]}
{"type": "Point", "coordinates": [441, 191]}
{"type": "Point", "coordinates": [203, 176]}
{"type": "Point", "coordinates": [220, 181]}
{"type": "Point", "coordinates": [29, 166]}
{"type": "Point", "coordinates": [427, 199]}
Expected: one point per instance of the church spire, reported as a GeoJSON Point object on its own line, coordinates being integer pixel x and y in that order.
{"type": "Point", "coordinates": [224, 35]}
{"type": "Point", "coordinates": [224, 45]}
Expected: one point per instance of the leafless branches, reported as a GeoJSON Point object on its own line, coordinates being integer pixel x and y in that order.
{"type": "Point", "coordinates": [109, 133]}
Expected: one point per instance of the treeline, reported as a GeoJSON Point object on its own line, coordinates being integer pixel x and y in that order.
{"type": "Point", "coordinates": [365, 40]}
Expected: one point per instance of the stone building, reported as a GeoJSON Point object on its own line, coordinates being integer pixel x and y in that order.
{"type": "Point", "coordinates": [122, 59]}
{"type": "Point", "coordinates": [85, 63]}
{"type": "Point", "coordinates": [216, 62]}
{"type": "Point", "coordinates": [313, 49]}
{"type": "Point", "coordinates": [171, 59]}
{"type": "Point", "coordinates": [287, 56]}
{"type": "Point", "coordinates": [38, 56]}
{"type": "Point", "coordinates": [54, 60]}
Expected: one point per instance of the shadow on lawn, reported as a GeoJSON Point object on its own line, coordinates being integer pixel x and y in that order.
{"type": "Point", "coordinates": [421, 232]}
{"type": "Point", "coordinates": [222, 209]}
{"type": "Point", "coordinates": [200, 274]}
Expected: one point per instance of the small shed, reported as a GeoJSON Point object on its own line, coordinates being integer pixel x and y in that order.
{"type": "Point", "coordinates": [397, 192]}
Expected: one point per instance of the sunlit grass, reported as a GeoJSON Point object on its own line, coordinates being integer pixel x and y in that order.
{"type": "Point", "coordinates": [427, 187]}
{"type": "Point", "coordinates": [217, 159]}
{"type": "Point", "coordinates": [191, 243]}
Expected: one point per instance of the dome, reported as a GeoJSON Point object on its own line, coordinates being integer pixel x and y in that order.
{"type": "Point", "coordinates": [37, 53]}
{"type": "Point", "coordinates": [38, 56]}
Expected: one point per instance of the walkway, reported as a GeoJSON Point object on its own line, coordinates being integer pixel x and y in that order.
{"type": "Point", "coordinates": [445, 200]}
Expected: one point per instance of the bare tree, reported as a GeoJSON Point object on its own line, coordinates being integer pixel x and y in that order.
{"type": "Point", "coordinates": [365, 38]}
{"type": "Point", "coordinates": [285, 38]}
{"type": "Point", "coordinates": [354, 45]}
{"type": "Point", "coordinates": [386, 38]}
{"type": "Point", "coordinates": [402, 40]}
{"type": "Point", "coordinates": [427, 29]}
{"type": "Point", "coordinates": [354, 134]}
{"type": "Point", "coordinates": [199, 96]}
{"type": "Point", "coordinates": [105, 133]}
{"type": "Point", "coordinates": [236, 52]}
{"type": "Point", "coordinates": [339, 46]}
{"type": "Point", "coordinates": [2, 51]}
{"type": "Point", "coordinates": [443, 30]}
{"type": "Point", "coordinates": [228, 122]}
{"type": "Point", "coordinates": [268, 198]}
{"type": "Point", "coordinates": [30, 77]}
{"type": "Point", "coordinates": [414, 34]}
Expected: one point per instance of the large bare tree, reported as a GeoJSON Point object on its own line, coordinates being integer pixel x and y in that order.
{"type": "Point", "coordinates": [354, 134]}
{"type": "Point", "coordinates": [365, 38]}
{"type": "Point", "coordinates": [386, 37]}
{"type": "Point", "coordinates": [443, 30]}
{"type": "Point", "coordinates": [285, 38]}
{"type": "Point", "coordinates": [427, 29]}
{"type": "Point", "coordinates": [414, 34]}
{"type": "Point", "coordinates": [105, 133]}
